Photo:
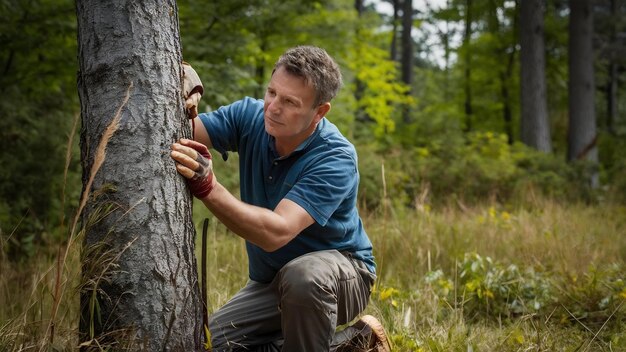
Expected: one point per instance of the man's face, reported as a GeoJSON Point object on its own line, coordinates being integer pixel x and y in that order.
{"type": "Point", "coordinates": [289, 111]}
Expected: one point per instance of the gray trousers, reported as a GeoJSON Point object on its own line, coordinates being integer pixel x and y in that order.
{"type": "Point", "coordinates": [299, 310]}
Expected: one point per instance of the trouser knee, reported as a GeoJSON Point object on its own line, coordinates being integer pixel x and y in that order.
{"type": "Point", "coordinates": [307, 281]}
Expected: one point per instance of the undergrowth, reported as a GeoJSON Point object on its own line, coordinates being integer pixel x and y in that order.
{"type": "Point", "coordinates": [492, 277]}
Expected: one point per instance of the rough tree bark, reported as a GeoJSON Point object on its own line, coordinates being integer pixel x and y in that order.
{"type": "Point", "coordinates": [140, 288]}
{"type": "Point", "coordinates": [535, 125]}
{"type": "Point", "coordinates": [581, 137]}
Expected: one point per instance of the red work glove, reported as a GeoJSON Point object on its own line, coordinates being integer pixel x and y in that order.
{"type": "Point", "coordinates": [195, 163]}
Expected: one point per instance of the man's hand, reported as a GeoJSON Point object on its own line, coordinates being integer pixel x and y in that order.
{"type": "Point", "coordinates": [192, 90]}
{"type": "Point", "coordinates": [194, 162]}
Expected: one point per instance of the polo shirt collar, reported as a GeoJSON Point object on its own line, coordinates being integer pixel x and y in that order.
{"type": "Point", "coordinates": [300, 148]}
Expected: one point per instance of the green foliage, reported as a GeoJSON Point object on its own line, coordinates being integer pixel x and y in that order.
{"type": "Point", "coordinates": [477, 166]}
{"type": "Point", "coordinates": [611, 153]}
{"type": "Point", "coordinates": [37, 104]}
{"type": "Point", "coordinates": [382, 93]}
{"type": "Point", "coordinates": [594, 297]}
{"type": "Point", "coordinates": [486, 289]}
{"type": "Point", "coordinates": [490, 289]}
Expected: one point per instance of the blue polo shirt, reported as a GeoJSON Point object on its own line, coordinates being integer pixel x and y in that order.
{"type": "Point", "coordinates": [321, 176]}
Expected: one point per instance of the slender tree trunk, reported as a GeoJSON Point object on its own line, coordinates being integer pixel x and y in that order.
{"type": "Point", "coordinates": [394, 30]}
{"type": "Point", "coordinates": [407, 52]}
{"type": "Point", "coordinates": [140, 288]}
{"type": "Point", "coordinates": [507, 114]}
{"type": "Point", "coordinates": [611, 101]}
{"type": "Point", "coordinates": [535, 124]}
{"type": "Point", "coordinates": [445, 38]}
{"type": "Point", "coordinates": [582, 117]}
{"type": "Point", "coordinates": [505, 72]}
{"type": "Point", "coordinates": [359, 90]}
{"type": "Point", "coordinates": [468, 68]}
{"type": "Point", "coordinates": [612, 84]}
{"type": "Point", "coordinates": [259, 70]}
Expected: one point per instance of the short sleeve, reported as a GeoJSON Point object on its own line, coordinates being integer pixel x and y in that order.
{"type": "Point", "coordinates": [325, 185]}
{"type": "Point", "coordinates": [227, 125]}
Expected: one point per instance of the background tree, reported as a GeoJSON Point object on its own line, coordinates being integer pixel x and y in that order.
{"type": "Point", "coordinates": [140, 287]}
{"type": "Point", "coordinates": [395, 18]}
{"type": "Point", "coordinates": [505, 49]}
{"type": "Point", "coordinates": [610, 29]}
{"type": "Point", "coordinates": [467, 64]}
{"type": "Point", "coordinates": [582, 137]}
{"type": "Point", "coordinates": [407, 52]}
{"type": "Point", "coordinates": [535, 124]}
{"type": "Point", "coordinates": [613, 80]}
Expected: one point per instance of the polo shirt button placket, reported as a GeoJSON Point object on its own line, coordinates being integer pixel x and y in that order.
{"type": "Point", "coordinates": [270, 178]}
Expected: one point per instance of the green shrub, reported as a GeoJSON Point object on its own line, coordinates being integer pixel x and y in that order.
{"type": "Point", "coordinates": [594, 298]}
{"type": "Point", "coordinates": [486, 289]}
{"type": "Point", "coordinates": [613, 160]}
{"type": "Point", "coordinates": [482, 166]}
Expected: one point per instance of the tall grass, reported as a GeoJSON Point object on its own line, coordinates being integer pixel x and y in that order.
{"type": "Point", "coordinates": [577, 249]}
{"type": "Point", "coordinates": [539, 275]}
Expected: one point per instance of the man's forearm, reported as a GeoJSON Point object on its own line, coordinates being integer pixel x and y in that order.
{"type": "Point", "coordinates": [200, 133]}
{"type": "Point", "coordinates": [260, 226]}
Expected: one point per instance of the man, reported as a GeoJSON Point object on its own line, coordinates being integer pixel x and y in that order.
{"type": "Point", "coordinates": [310, 261]}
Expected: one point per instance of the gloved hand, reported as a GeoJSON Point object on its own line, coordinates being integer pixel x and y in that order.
{"type": "Point", "coordinates": [195, 163]}
{"type": "Point", "coordinates": [192, 90]}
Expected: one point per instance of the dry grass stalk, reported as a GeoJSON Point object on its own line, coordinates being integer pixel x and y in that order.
{"type": "Point", "coordinates": [99, 157]}
{"type": "Point", "coordinates": [68, 159]}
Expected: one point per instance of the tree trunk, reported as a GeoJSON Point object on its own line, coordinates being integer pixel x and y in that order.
{"type": "Point", "coordinates": [394, 30]}
{"type": "Point", "coordinates": [535, 124]}
{"type": "Point", "coordinates": [359, 86]}
{"type": "Point", "coordinates": [613, 77]}
{"type": "Point", "coordinates": [140, 287]}
{"type": "Point", "coordinates": [505, 72]}
{"type": "Point", "coordinates": [582, 119]}
{"type": "Point", "coordinates": [445, 38]}
{"type": "Point", "coordinates": [407, 52]}
{"type": "Point", "coordinates": [611, 101]}
{"type": "Point", "coordinates": [468, 68]}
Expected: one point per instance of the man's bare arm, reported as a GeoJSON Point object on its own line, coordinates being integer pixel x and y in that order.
{"type": "Point", "coordinates": [200, 133]}
{"type": "Point", "coordinates": [268, 229]}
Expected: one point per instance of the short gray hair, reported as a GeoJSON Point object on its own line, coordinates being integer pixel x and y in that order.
{"type": "Point", "coordinates": [316, 67]}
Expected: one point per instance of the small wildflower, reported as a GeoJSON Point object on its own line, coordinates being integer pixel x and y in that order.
{"type": "Point", "coordinates": [489, 294]}
{"type": "Point", "coordinates": [387, 292]}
